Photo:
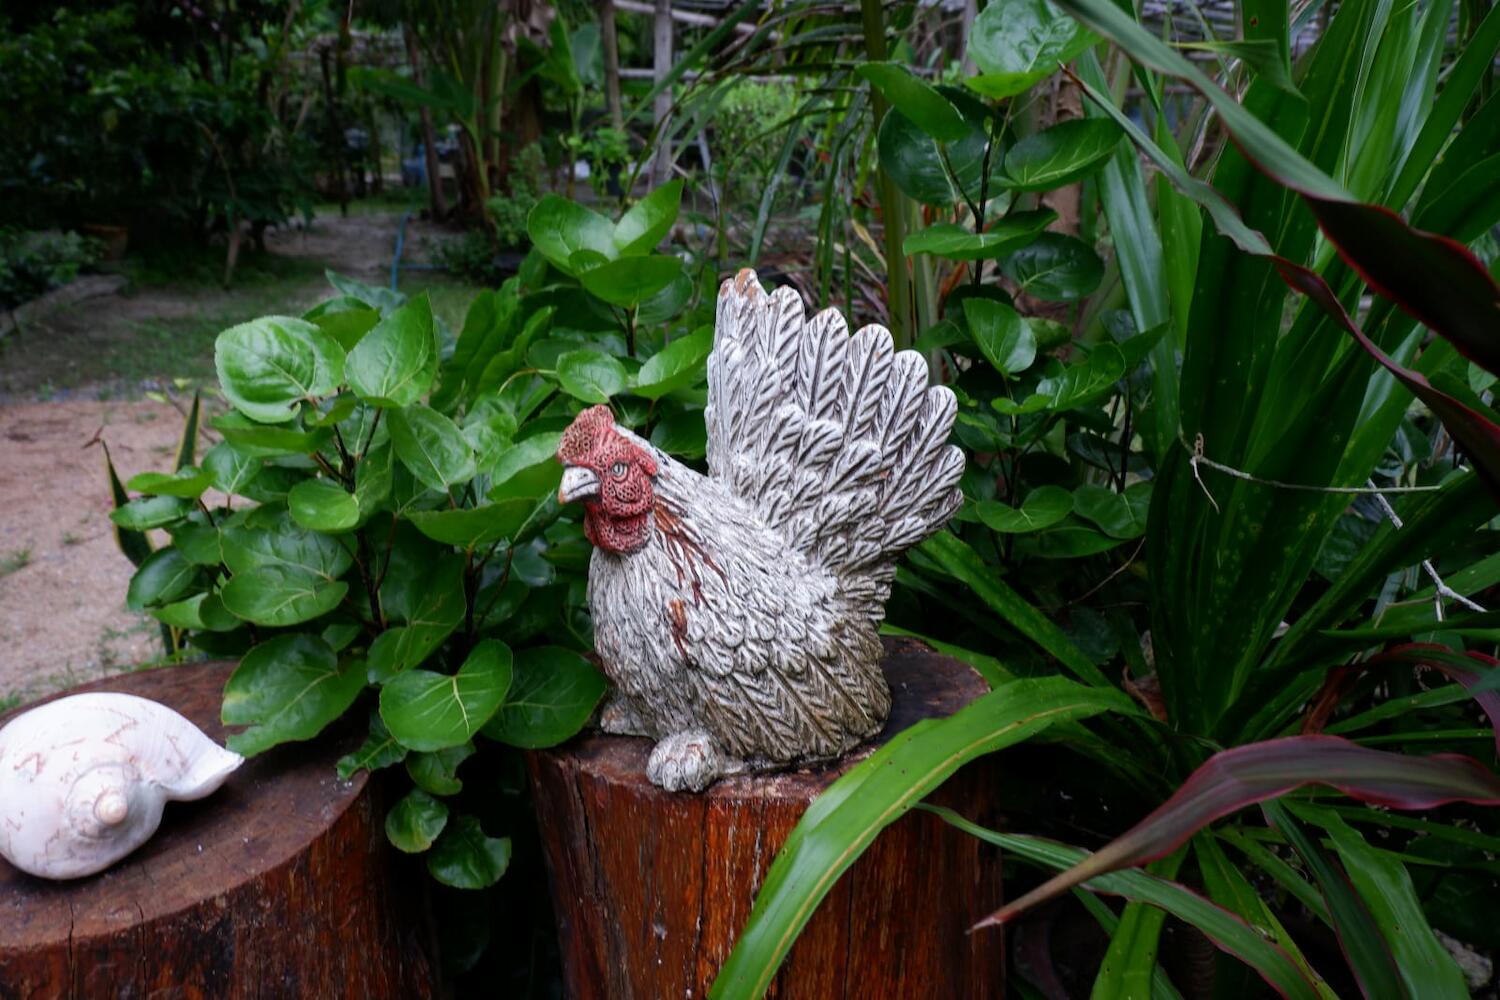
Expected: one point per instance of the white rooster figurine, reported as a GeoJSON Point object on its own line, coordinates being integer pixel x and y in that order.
{"type": "Point", "coordinates": [737, 614]}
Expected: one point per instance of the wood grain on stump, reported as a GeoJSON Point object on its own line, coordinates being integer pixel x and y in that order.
{"type": "Point", "coordinates": [652, 888]}
{"type": "Point", "coordinates": [279, 884]}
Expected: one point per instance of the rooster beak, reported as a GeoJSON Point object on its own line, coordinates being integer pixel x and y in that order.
{"type": "Point", "coordinates": [578, 483]}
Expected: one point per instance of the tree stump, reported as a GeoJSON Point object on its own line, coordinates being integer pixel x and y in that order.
{"type": "Point", "coordinates": [280, 884]}
{"type": "Point", "coordinates": [651, 888]}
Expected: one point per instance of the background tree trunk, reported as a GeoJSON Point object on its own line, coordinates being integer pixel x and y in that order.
{"type": "Point", "coordinates": [437, 199]}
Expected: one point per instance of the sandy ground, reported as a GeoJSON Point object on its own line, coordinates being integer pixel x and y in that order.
{"type": "Point", "coordinates": [62, 580]}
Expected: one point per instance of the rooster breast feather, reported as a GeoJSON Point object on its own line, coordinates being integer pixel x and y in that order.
{"type": "Point", "coordinates": [836, 441]}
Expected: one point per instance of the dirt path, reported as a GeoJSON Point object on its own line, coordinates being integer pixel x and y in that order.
{"type": "Point", "coordinates": [62, 580]}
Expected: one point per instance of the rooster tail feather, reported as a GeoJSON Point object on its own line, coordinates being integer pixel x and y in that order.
{"type": "Point", "coordinates": [837, 440]}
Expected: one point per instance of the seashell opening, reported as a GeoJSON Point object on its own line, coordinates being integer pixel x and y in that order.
{"type": "Point", "coordinates": [111, 807]}
{"type": "Point", "coordinates": [99, 803]}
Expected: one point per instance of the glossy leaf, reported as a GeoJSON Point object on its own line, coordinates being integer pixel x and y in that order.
{"type": "Point", "coordinates": [1061, 154]}
{"type": "Point", "coordinates": [1042, 508]}
{"type": "Point", "coordinates": [1055, 267]}
{"type": "Point", "coordinates": [648, 221]}
{"type": "Point", "coordinates": [322, 505]}
{"type": "Point", "coordinates": [415, 822]}
{"type": "Point", "coordinates": [281, 543]}
{"type": "Point", "coordinates": [559, 228]}
{"type": "Point", "coordinates": [430, 711]}
{"type": "Point", "coordinates": [917, 100]}
{"type": "Point", "coordinates": [269, 440]}
{"type": "Point", "coordinates": [266, 365]}
{"type": "Point", "coordinates": [132, 542]}
{"type": "Point", "coordinates": [379, 750]}
{"type": "Point", "coordinates": [465, 858]}
{"type": "Point", "coordinates": [843, 821]}
{"type": "Point", "coordinates": [188, 482]}
{"type": "Point", "coordinates": [230, 469]}
{"type": "Point", "coordinates": [287, 688]}
{"type": "Point", "coordinates": [590, 376]}
{"type": "Point", "coordinates": [437, 772]}
{"type": "Point", "coordinates": [1073, 385]}
{"type": "Point", "coordinates": [629, 281]}
{"type": "Point", "coordinates": [164, 576]}
{"type": "Point", "coordinates": [395, 363]}
{"type": "Point", "coordinates": [468, 527]}
{"type": "Point", "coordinates": [1233, 779]}
{"type": "Point", "coordinates": [913, 161]}
{"type": "Point", "coordinates": [431, 446]}
{"type": "Point", "coordinates": [1001, 333]}
{"type": "Point", "coordinates": [679, 364]}
{"type": "Point", "coordinates": [149, 512]}
{"type": "Point", "coordinates": [273, 595]}
{"type": "Point", "coordinates": [954, 242]}
{"type": "Point", "coordinates": [554, 692]}
{"type": "Point", "coordinates": [1120, 515]}
{"type": "Point", "coordinates": [436, 608]}
{"type": "Point", "coordinates": [1017, 43]}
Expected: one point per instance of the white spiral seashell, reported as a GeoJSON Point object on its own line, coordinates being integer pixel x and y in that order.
{"type": "Point", "coordinates": [83, 779]}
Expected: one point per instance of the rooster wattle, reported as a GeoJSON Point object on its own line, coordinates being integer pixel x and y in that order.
{"type": "Point", "coordinates": [737, 613]}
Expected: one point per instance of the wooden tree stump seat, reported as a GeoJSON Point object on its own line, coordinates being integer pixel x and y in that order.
{"type": "Point", "coordinates": [651, 888]}
{"type": "Point", "coordinates": [280, 884]}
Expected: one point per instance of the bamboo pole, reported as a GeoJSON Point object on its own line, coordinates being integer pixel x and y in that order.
{"type": "Point", "coordinates": [661, 168]}
{"type": "Point", "coordinates": [611, 45]}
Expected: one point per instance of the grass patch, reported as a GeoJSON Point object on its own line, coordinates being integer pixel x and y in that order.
{"type": "Point", "coordinates": [14, 561]}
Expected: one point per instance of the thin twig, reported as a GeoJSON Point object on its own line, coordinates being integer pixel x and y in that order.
{"type": "Point", "coordinates": [1198, 458]}
{"type": "Point", "coordinates": [1440, 589]}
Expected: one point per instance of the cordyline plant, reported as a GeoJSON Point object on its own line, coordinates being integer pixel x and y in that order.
{"type": "Point", "coordinates": [1263, 677]}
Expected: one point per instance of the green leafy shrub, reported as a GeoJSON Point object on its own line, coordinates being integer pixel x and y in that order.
{"type": "Point", "coordinates": [390, 542]}
{"type": "Point", "coordinates": [34, 262]}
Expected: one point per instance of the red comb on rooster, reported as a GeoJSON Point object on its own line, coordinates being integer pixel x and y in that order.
{"type": "Point", "coordinates": [737, 614]}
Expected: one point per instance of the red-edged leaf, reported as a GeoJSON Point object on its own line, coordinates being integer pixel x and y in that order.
{"type": "Point", "coordinates": [1465, 668]}
{"type": "Point", "coordinates": [1233, 779]}
{"type": "Point", "coordinates": [1431, 277]}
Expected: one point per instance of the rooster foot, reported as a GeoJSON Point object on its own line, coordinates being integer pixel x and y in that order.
{"type": "Point", "coordinates": [620, 717]}
{"type": "Point", "coordinates": [689, 762]}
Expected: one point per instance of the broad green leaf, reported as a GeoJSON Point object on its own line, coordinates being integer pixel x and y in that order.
{"type": "Point", "coordinates": [962, 563]}
{"type": "Point", "coordinates": [269, 440]}
{"type": "Point", "coordinates": [1055, 267]}
{"type": "Point", "coordinates": [918, 167]}
{"type": "Point", "coordinates": [149, 512]}
{"type": "Point", "coordinates": [629, 281]}
{"type": "Point", "coordinates": [469, 527]}
{"type": "Point", "coordinates": [487, 327]}
{"type": "Point", "coordinates": [437, 772]}
{"type": "Point", "coordinates": [681, 433]}
{"type": "Point", "coordinates": [1061, 154]}
{"type": "Point", "coordinates": [465, 858]}
{"type": "Point", "coordinates": [843, 821]}
{"type": "Point", "coordinates": [1070, 539]}
{"type": "Point", "coordinates": [681, 363]}
{"type": "Point", "coordinates": [554, 692]}
{"type": "Point", "coordinates": [1001, 333]}
{"type": "Point", "coordinates": [1225, 929]}
{"type": "Point", "coordinates": [348, 327]}
{"type": "Point", "coordinates": [133, 543]}
{"type": "Point", "coordinates": [917, 100]}
{"type": "Point", "coordinates": [287, 688]}
{"type": "Point", "coordinates": [198, 541]}
{"type": "Point", "coordinates": [274, 595]}
{"type": "Point", "coordinates": [1121, 515]}
{"type": "Point", "coordinates": [525, 455]}
{"type": "Point", "coordinates": [183, 614]}
{"type": "Point", "coordinates": [648, 221]}
{"type": "Point", "coordinates": [436, 609]}
{"type": "Point", "coordinates": [1073, 385]}
{"type": "Point", "coordinates": [164, 576]}
{"type": "Point", "coordinates": [188, 482]}
{"type": "Point", "coordinates": [1042, 508]}
{"type": "Point", "coordinates": [590, 376]}
{"type": "Point", "coordinates": [560, 228]}
{"type": "Point", "coordinates": [280, 542]}
{"type": "Point", "coordinates": [955, 242]}
{"type": "Point", "coordinates": [230, 469]}
{"type": "Point", "coordinates": [1016, 43]}
{"type": "Point", "coordinates": [430, 711]}
{"type": "Point", "coordinates": [395, 363]}
{"type": "Point", "coordinates": [383, 299]}
{"type": "Point", "coordinates": [415, 822]}
{"type": "Point", "coordinates": [373, 478]}
{"type": "Point", "coordinates": [266, 365]}
{"type": "Point", "coordinates": [322, 505]}
{"type": "Point", "coordinates": [431, 446]}
{"type": "Point", "coordinates": [379, 750]}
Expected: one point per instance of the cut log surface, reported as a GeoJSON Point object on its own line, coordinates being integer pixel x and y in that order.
{"type": "Point", "coordinates": [652, 888]}
{"type": "Point", "coordinates": [280, 884]}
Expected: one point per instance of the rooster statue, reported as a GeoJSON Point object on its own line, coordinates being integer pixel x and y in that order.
{"type": "Point", "coordinates": [737, 613]}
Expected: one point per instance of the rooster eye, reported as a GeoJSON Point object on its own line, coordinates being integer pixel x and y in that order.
{"type": "Point", "coordinates": [618, 470]}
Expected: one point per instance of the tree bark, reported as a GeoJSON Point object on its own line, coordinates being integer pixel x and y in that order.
{"type": "Point", "coordinates": [652, 888]}
{"type": "Point", "coordinates": [661, 167]}
{"type": "Point", "coordinates": [279, 884]}
{"type": "Point", "coordinates": [437, 199]}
